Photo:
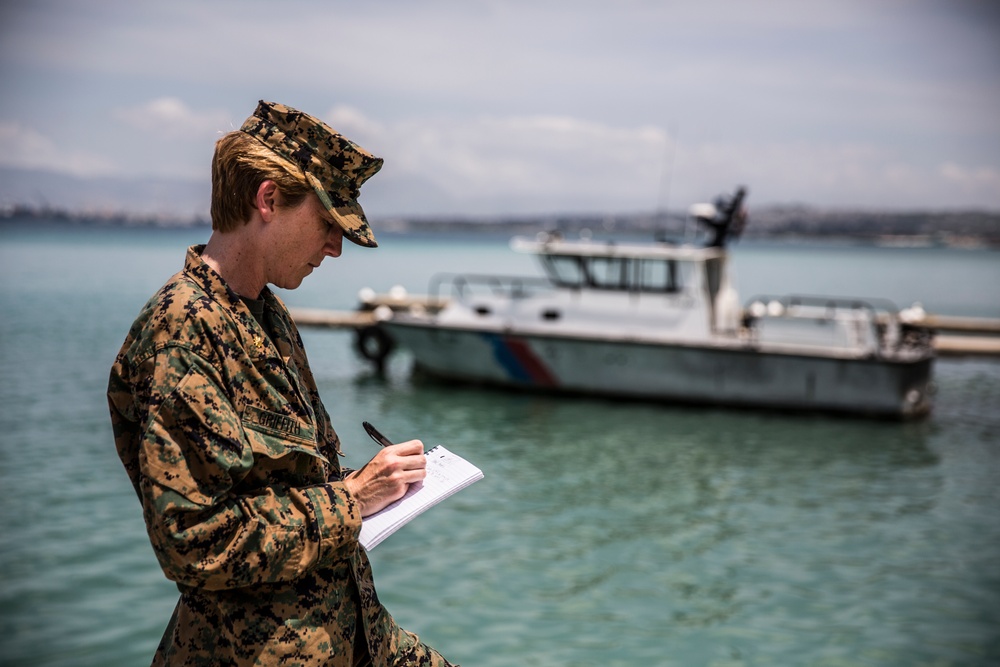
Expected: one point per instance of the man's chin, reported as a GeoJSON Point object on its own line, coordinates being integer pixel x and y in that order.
{"type": "Point", "coordinates": [290, 284]}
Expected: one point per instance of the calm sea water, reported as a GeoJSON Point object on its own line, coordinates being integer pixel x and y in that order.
{"type": "Point", "coordinates": [605, 533]}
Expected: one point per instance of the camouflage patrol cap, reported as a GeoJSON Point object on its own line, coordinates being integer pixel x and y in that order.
{"type": "Point", "coordinates": [332, 163]}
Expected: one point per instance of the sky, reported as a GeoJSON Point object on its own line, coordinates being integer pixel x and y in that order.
{"type": "Point", "coordinates": [499, 108]}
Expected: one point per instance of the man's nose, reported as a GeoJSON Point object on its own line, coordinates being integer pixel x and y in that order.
{"type": "Point", "coordinates": [334, 243]}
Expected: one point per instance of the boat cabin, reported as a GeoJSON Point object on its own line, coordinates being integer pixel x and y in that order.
{"type": "Point", "coordinates": [605, 289]}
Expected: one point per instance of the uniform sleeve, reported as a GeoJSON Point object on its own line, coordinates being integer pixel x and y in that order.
{"type": "Point", "coordinates": [193, 456]}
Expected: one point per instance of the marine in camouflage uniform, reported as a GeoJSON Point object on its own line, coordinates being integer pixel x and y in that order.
{"type": "Point", "coordinates": [222, 432]}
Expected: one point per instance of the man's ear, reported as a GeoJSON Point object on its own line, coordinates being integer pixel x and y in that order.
{"type": "Point", "coordinates": [267, 200]}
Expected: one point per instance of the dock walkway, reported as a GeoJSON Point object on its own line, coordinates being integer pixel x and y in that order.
{"type": "Point", "coordinates": [332, 319]}
{"type": "Point", "coordinates": [965, 336]}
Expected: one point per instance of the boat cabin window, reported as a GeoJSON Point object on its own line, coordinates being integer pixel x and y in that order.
{"type": "Point", "coordinates": [565, 270]}
{"type": "Point", "coordinates": [656, 275]}
{"type": "Point", "coordinates": [613, 273]}
{"type": "Point", "coordinates": [608, 272]}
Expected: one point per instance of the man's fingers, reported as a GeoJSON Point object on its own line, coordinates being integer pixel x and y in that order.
{"type": "Point", "coordinates": [407, 448]}
{"type": "Point", "coordinates": [405, 456]}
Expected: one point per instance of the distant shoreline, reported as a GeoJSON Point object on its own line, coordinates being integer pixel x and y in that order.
{"type": "Point", "coordinates": [960, 229]}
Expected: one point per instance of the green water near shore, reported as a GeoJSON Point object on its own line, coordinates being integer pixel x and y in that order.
{"type": "Point", "coordinates": [604, 533]}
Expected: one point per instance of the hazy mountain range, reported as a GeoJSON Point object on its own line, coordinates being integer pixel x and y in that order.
{"type": "Point", "coordinates": [47, 196]}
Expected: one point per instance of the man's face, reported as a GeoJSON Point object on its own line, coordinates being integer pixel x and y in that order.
{"type": "Point", "coordinates": [305, 235]}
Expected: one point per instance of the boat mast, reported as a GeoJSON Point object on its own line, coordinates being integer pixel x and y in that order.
{"type": "Point", "coordinates": [663, 201]}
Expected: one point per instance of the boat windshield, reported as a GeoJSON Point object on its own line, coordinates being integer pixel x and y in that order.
{"type": "Point", "coordinates": [612, 273]}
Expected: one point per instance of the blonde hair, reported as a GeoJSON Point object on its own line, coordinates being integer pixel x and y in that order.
{"type": "Point", "coordinates": [240, 164]}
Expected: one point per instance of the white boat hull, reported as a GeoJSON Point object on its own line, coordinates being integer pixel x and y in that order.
{"type": "Point", "coordinates": [723, 375]}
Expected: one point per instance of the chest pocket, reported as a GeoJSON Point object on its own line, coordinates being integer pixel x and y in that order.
{"type": "Point", "coordinates": [284, 450]}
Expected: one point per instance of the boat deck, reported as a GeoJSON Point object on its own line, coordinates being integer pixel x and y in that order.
{"type": "Point", "coordinates": [956, 336]}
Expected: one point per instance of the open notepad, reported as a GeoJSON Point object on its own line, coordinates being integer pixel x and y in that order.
{"type": "Point", "coordinates": [447, 474]}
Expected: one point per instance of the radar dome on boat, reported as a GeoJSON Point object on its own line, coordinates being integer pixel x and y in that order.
{"type": "Point", "coordinates": [703, 211]}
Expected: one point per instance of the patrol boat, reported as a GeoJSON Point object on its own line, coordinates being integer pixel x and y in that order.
{"type": "Point", "coordinates": [661, 321]}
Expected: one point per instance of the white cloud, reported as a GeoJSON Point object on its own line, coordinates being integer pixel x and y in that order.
{"type": "Point", "coordinates": [549, 160]}
{"type": "Point", "coordinates": [838, 103]}
{"type": "Point", "coordinates": [352, 122]}
{"type": "Point", "coordinates": [171, 117]}
{"type": "Point", "coordinates": [25, 148]}
{"type": "Point", "coordinates": [977, 181]}
{"type": "Point", "coordinates": [832, 174]}
{"type": "Point", "coordinates": [501, 165]}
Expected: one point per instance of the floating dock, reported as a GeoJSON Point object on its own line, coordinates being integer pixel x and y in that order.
{"type": "Point", "coordinates": [332, 319]}
{"type": "Point", "coordinates": [954, 336]}
{"type": "Point", "coordinates": [366, 314]}
{"type": "Point", "coordinates": [966, 336]}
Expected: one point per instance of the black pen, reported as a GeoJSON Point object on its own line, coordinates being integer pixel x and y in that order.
{"type": "Point", "coordinates": [375, 435]}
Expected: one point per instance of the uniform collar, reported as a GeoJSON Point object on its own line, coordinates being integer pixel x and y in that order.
{"type": "Point", "coordinates": [214, 285]}
{"type": "Point", "coordinates": [211, 281]}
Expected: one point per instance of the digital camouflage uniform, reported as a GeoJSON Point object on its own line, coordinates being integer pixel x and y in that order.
{"type": "Point", "coordinates": [227, 443]}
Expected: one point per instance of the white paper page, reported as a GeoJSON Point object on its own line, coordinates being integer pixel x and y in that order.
{"type": "Point", "coordinates": [447, 473]}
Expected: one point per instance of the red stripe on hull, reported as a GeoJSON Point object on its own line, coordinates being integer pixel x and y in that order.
{"type": "Point", "coordinates": [535, 367]}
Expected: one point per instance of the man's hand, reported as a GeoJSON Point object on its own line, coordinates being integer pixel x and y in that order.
{"type": "Point", "coordinates": [386, 477]}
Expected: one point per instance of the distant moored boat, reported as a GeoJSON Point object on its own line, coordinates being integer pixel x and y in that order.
{"type": "Point", "coordinates": [663, 322]}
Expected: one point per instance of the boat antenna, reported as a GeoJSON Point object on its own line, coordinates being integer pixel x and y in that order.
{"type": "Point", "coordinates": [666, 175]}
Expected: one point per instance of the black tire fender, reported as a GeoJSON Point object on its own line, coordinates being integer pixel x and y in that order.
{"type": "Point", "coordinates": [373, 343]}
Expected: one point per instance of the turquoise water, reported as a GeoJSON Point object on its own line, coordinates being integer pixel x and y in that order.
{"type": "Point", "coordinates": [605, 533]}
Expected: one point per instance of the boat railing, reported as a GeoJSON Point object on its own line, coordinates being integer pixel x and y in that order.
{"type": "Point", "coordinates": [791, 302]}
{"type": "Point", "coordinates": [891, 337]}
{"type": "Point", "coordinates": [462, 285]}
